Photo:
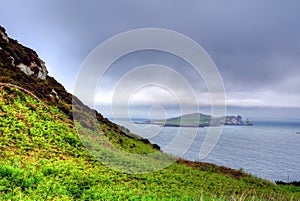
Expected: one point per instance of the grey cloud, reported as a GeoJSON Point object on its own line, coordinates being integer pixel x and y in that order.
{"type": "Point", "coordinates": [255, 44]}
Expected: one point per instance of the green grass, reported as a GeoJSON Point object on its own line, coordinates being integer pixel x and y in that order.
{"type": "Point", "coordinates": [43, 158]}
{"type": "Point", "coordinates": [193, 119]}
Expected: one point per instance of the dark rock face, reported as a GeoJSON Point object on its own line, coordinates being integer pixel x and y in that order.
{"type": "Point", "coordinates": [237, 120]}
{"type": "Point", "coordinates": [3, 34]}
{"type": "Point", "coordinates": [21, 58]}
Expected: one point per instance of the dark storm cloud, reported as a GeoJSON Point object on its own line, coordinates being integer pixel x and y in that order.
{"type": "Point", "coordinates": [255, 44]}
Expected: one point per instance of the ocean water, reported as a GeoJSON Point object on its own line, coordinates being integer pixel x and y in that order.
{"type": "Point", "coordinates": [269, 150]}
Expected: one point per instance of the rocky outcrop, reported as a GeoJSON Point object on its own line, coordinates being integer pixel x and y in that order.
{"type": "Point", "coordinates": [3, 35]}
{"type": "Point", "coordinates": [237, 120]}
{"type": "Point", "coordinates": [14, 55]}
{"type": "Point", "coordinates": [33, 69]}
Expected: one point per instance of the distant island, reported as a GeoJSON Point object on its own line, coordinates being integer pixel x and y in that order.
{"type": "Point", "coordinates": [199, 120]}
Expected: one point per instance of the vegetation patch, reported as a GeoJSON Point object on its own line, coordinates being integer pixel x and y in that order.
{"type": "Point", "coordinates": [42, 157]}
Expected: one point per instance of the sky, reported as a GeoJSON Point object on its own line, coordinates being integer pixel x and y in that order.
{"type": "Point", "coordinates": [254, 44]}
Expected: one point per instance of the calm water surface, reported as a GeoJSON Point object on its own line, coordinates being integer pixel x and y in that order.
{"type": "Point", "coordinates": [267, 150]}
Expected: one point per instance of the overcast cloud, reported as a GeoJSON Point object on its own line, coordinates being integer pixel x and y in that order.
{"type": "Point", "coordinates": [255, 44]}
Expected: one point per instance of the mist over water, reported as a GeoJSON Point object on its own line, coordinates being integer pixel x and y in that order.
{"type": "Point", "coordinates": [269, 150]}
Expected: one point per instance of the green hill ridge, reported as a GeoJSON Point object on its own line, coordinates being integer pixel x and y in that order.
{"type": "Point", "coordinates": [200, 120]}
{"type": "Point", "coordinates": [44, 158]}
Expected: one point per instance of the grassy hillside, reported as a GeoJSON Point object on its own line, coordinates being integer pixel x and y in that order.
{"type": "Point", "coordinates": [190, 119]}
{"type": "Point", "coordinates": [43, 156]}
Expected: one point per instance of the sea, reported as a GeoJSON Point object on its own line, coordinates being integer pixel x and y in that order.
{"type": "Point", "coordinates": [268, 149]}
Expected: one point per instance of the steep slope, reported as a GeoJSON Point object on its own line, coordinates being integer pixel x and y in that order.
{"type": "Point", "coordinates": [22, 67]}
{"type": "Point", "coordinates": [43, 158]}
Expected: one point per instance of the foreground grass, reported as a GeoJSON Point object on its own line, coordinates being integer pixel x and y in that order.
{"type": "Point", "coordinates": [42, 158]}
